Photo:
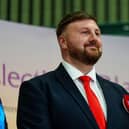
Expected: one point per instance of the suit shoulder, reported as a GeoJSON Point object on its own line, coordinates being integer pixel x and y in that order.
{"type": "Point", "coordinates": [46, 76]}
{"type": "Point", "coordinates": [38, 83]}
{"type": "Point", "coordinates": [112, 84]}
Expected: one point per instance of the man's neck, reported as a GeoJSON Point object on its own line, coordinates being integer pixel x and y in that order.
{"type": "Point", "coordinates": [81, 66]}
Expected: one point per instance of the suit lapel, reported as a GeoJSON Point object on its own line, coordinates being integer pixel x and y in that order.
{"type": "Point", "coordinates": [73, 91]}
{"type": "Point", "coordinates": [110, 103]}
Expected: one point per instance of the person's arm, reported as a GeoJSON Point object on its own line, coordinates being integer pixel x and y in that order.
{"type": "Point", "coordinates": [33, 111]}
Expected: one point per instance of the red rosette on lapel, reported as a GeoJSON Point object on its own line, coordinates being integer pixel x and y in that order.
{"type": "Point", "coordinates": [126, 102]}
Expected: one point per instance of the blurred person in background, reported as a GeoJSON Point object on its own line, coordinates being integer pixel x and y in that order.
{"type": "Point", "coordinates": [3, 122]}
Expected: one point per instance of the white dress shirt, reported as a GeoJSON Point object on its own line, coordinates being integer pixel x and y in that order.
{"type": "Point", "coordinates": [74, 73]}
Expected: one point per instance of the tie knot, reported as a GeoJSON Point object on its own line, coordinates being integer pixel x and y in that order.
{"type": "Point", "coordinates": [85, 79]}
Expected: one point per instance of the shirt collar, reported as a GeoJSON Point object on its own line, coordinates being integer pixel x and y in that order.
{"type": "Point", "coordinates": [75, 73]}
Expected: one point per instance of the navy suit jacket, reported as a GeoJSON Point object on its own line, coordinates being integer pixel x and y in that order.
{"type": "Point", "coordinates": [52, 101]}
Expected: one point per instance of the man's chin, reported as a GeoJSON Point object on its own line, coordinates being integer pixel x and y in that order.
{"type": "Point", "coordinates": [93, 53]}
{"type": "Point", "coordinates": [91, 60]}
{"type": "Point", "coordinates": [92, 57]}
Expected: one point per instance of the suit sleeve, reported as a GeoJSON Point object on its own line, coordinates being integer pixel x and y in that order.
{"type": "Point", "coordinates": [33, 111]}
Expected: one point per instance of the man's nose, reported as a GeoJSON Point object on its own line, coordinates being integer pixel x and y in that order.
{"type": "Point", "coordinates": [93, 37]}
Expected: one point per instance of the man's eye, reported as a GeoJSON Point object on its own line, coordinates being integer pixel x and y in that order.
{"type": "Point", "coordinates": [85, 32]}
{"type": "Point", "coordinates": [98, 33]}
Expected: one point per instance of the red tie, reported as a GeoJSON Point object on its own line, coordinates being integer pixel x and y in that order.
{"type": "Point", "coordinates": [93, 103]}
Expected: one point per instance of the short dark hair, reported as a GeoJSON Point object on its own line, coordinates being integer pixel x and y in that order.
{"type": "Point", "coordinates": [72, 17]}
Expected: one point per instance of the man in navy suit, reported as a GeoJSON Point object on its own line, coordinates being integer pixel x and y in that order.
{"type": "Point", "coordinates": [57, 99]}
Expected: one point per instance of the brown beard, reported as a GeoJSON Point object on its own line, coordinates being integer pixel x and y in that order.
{"type": "Point", "coordinates": [85, 57]}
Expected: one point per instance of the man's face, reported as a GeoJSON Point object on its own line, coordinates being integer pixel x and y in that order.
{"type": "Point", "coordinates": [82, 42]}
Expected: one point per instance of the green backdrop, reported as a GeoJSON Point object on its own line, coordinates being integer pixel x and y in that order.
{"type": "Point", "coordinates": [110, 13]}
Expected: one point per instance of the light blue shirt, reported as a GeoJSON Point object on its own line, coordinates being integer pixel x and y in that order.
{"type": "Point", "coordinates": [74, 73]}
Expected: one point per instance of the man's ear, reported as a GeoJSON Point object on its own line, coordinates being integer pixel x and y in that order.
{"type": "Point", "coordinates": [62, 42]}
